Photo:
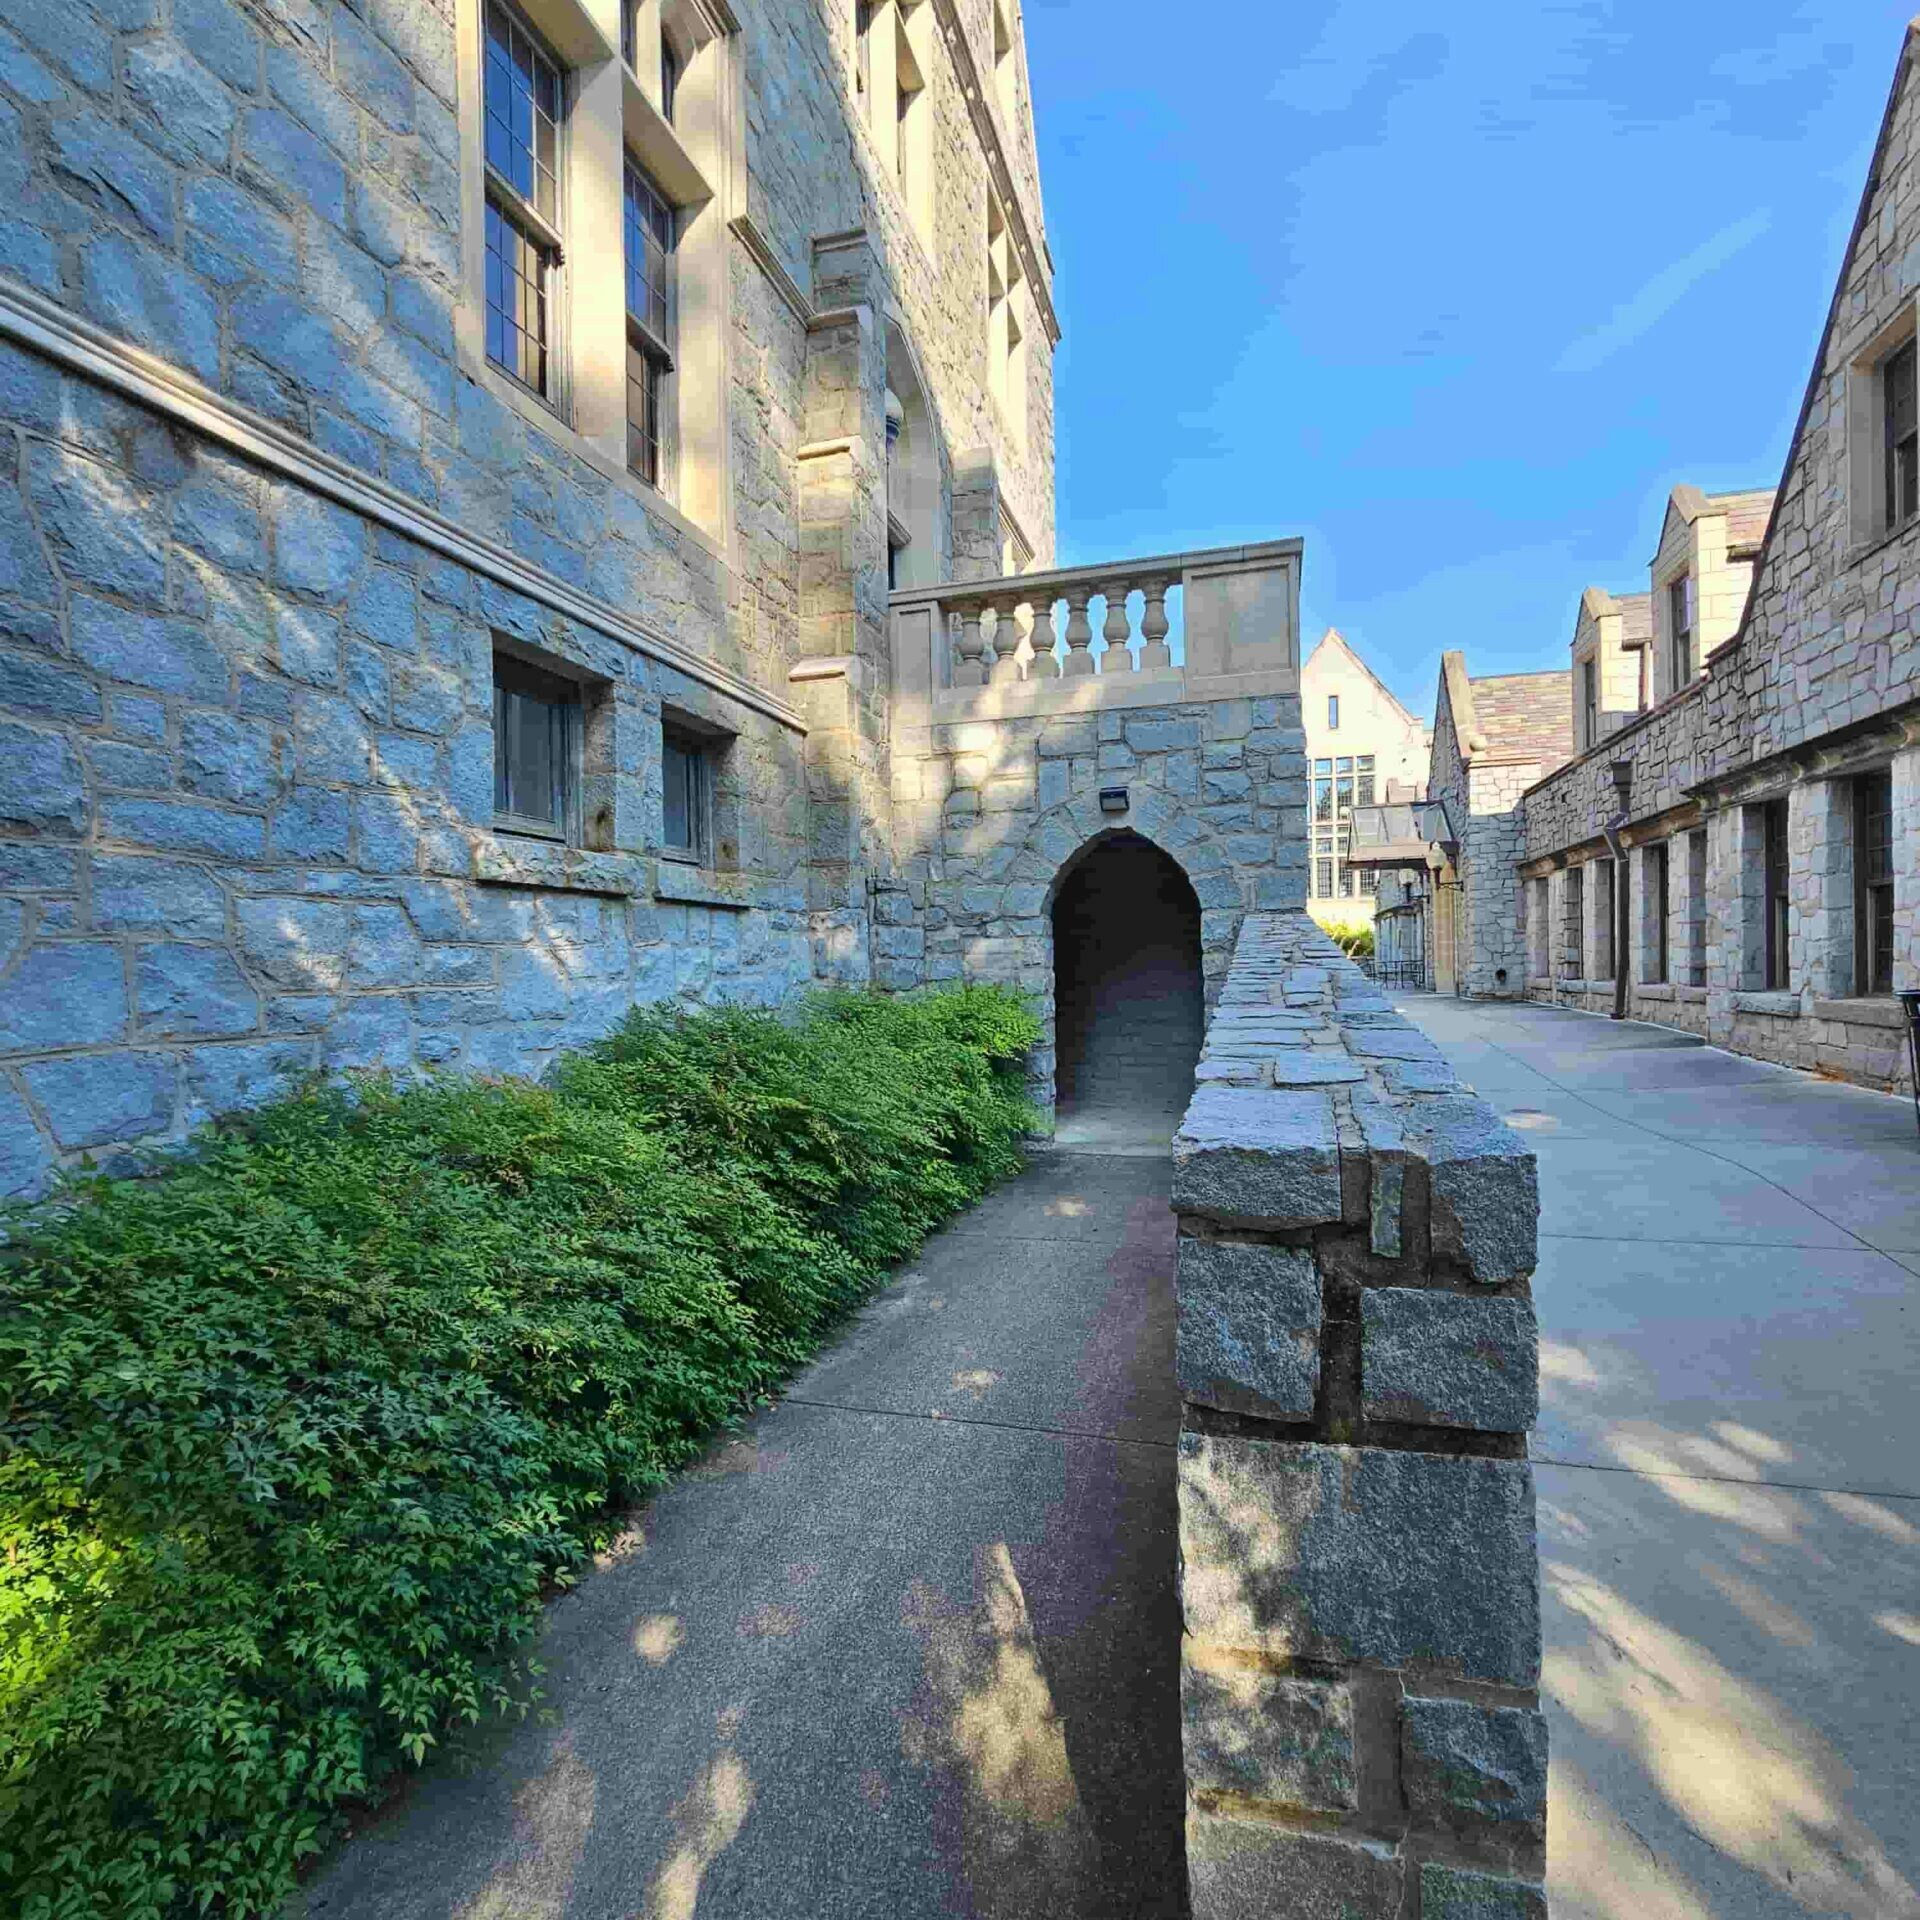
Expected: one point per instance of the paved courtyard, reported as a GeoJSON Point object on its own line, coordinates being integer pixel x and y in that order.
{"type": "Point", "coordinates": [906, 1647]}
{"type": "Point", "coordinates": [1728, 1469]}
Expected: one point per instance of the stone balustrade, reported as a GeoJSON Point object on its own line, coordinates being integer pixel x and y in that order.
{"type": "Point", "coordinates": [1026, 643]}
{"type": "Point", "coordinates": [1358, 1368]}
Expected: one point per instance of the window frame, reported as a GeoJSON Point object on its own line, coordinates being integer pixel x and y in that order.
{"type": "Point", "coordinates": [1873, 883]}
{"type": "Point", "coordinates": [515, 678]}
{"type": "Point", "coordinates": [1573, 913]}
{"type": "Point", "coordinates": [649, 338]}
{"type": "Point", "coordinates": [1658, 902]}
{"type": "Point", "coordinates": [539, 230]}
{"type": "Point", "coordinates": [697, 750]}
{"type": "Point", "coordinates": [1900, 439]}
{"type": "Point", "coordinates": [1333, 713]}
{"type": "Point", "coordinates": [1682, 617]}
{"type": "Point", "coordinates": [1776, 896]}
{"type": "Point", "coordinates": [1590, 700]}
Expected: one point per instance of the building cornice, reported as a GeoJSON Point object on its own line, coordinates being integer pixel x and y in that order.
{"type": "Point", "coordinates": [36, 323]}
{"type": "Point", "coordinates": [746, 230]}
{"type": "Point", "coordinates": [1038, 265]}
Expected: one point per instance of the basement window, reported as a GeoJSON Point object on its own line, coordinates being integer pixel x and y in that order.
{"type": "Point", "coordinates": [1873, 882]}
{"type": "Point", "coordinates": [536, 750]}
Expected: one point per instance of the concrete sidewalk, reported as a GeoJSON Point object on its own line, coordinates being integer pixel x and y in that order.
{"type": "Point", "coordinates": [1728, 1469]}
{"type": "Point", "coordinates": [907, 1646]}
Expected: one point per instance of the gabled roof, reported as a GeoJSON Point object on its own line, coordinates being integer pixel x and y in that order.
{"type": "Point", "coordinates": [1635, 611]}
{"type": "Point", "coordinates": [1334, 638]}
{"type": "Point", "coordinates": [1509, 716]}
{"type": "Point", "coordinates": [1745, 512]}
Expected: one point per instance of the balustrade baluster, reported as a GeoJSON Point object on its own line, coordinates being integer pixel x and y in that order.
{"type": "Point", "coordinates": [1006, 644]}
{"type": "Point", "coordinates": [1116, 631]}
{"type": "Point", "coordinates": [1153, 628]}
{"type": "Point", "coordinates": [1079, 658]}
{"type": "Point", "coordinates": [970, 668]}
{"type": "Point", "coordinates": [1043, 666]}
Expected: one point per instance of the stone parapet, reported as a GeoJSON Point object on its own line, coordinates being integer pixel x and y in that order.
{"type": "Point", "coordinates": [1358, 1369]}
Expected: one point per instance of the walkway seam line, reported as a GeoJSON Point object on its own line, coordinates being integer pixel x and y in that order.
{"type": "Point", "coordinates": [1716, 1479]}
{"type": "Point", "coordinates": [963, 1420]}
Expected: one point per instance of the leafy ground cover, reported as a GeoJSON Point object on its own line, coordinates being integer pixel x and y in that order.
{"type": "Point", "coordinates": [295, 1435]}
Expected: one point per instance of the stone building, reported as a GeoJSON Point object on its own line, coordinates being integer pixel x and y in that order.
{"type": "Point", "coordinates": [1363, 748]}
{"type": "Point", "coordinates": [1492, 738]}
{"type": "Point", "coordinates": [1746, 853]}
{"type": "Point", "coordinates": [460, 455]}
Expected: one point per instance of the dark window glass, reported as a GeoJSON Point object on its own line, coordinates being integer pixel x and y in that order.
{"type": "Point", "coordinates": [517, 305]}
{"type": "Point", "coordinates": [669, 78]}
{"type": "Point", "coordinates": [1680, 626]}
{"type": "Point", "coordinates": [1323, 796]}
{"type": "Point", "coordinates": [535, 734]}
{"type": "Point", "coordinates": [684, 768]}
{"type": "Point", "coordinates": [522, 112]}
{"type": "Point", "coordinates": [630, 33]}
{"type": "Point", "coordinates": [1658, 905]}
{"type": "Point", "coordinates": [1323, 879]}
{"type": "Point", "coordinates": [649, 235]}
{"type": "Point", "coordinates": [1589, 703]}
{"type": "Point", "coordinates": [862, 46]}
{"type": "Point", "coordinates": [1774, 897]}
{"type": "Point", "coordinates": [1873, 882]}
{"type": "Point", "coordinates": [1573, 959]}
{"type": "Point", "coordinates": [1696, 910]}
{"type": "Point", "coordinates": [1897, 384]}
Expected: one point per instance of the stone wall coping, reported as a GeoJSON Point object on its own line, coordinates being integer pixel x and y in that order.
{"type": "Point", "coordinates": [1284, 1135]}
{"type": "Point", "coordinates": [1778, 1006]}
{"type": "Point", "coordinates": [1862, 1012]}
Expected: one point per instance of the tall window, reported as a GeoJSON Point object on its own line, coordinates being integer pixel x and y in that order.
{"type": "Point", "coordinates": [907, 87]}
{"type": "Point", "coordinates": [1363, 781]}
{"type": "Point", "coordinates": [670, 71]}
{"type": "Point", "coordinates": [1589, 703]}
{"type": "Point", "coordinates": [1604, 876]}
{"type": "Point", "coordinates": [522, 115]}
{"type": "Point", "coordinates": [1873, 882]}
{"type": "Point", "coordinates": [863, 50]}
{"type": "Point", "coordinates": [649, 258]}
{"type": "Point", "coordinates": [1901, 418]}
{"type": "Point", "coordinates": [1333, 713]}
{"type": "Point", "coordinates": [1774, 899]}
{"type": "Point", "coordinates": [1697, 909]}
{"type": "Point", "coordinates": [630, 32]}
{"type": "Point", "coordinates": [536, 749]}
{"type": "Point", "coordinates": [1657, 905]}
{"type": "Point", "coordinates": [1323, 878]}
{"type": "Point", "coordinates": [1323, 789]}
{"type": "Point", "coordinates": [1343, 785]}
{"type": "Point", "coordinates": [686, 817]}
{"type": "Point", "coordinates": [1573, 958]}
{"type": "Point", "coordinates": [1680, 609]}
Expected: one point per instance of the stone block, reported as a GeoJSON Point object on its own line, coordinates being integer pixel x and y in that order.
{"type": "Point", "coordinates": [91, 1100]}
{"type": "Point", "coordinates": [1349, 1554]}
{"type": "Point", "coordinates": [317, 547]}
{"type": "Point", "coordinates": [228, 1077]}
{"type": "Point", "coordinates": [1445, 1359]}
{"type": "Point", "coordinates": [1285, 1740]}
{"type": "Point", "coordinates": [1238, 1870]}
{"type": "Point", "coordinates": [1253, 1157]}
{"type": "Point", "coordinates": [184, 826]}
{"type": "Point", "coordinates": [1249, 1327]}
{"type": "Point", "coordinates": [1454, 1893]}
{"type": "Point", "coordinates": [1299, 1066]}
{"type": "Point", "coordinates": [135, 292]}
{"type": "Point", "coordinates": [24, 1157]}
{"type": "Point", "coordinates": [1461, 1762]}
{"type": "Point", "coordinates": [1485, 1193]}
{"type": "Point", "coordinates": [199, 990]}
{"type": "Point", "coordinates": [64, 994]}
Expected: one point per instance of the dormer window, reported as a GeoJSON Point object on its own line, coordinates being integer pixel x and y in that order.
{"type": "Point", "coordinates": [1680, 612]}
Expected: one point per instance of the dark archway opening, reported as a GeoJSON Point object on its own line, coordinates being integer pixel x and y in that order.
{"type": "Point", "coordinates": [1129, 1004]}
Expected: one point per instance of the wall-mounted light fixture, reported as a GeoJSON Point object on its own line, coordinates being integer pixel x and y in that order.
{"type": "Point", "coordinates": [1113, 799]}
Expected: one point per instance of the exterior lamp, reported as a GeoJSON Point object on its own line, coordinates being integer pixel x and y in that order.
{"type": "Point", "coordinates": [1113, 799]}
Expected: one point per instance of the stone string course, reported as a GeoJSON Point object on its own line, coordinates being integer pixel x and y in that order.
{"type": "Point", "coordinates": [1358, 1368]}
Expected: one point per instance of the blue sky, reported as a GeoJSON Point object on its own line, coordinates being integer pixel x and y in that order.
{"type": "Point", "coordinates": [1455, 298]}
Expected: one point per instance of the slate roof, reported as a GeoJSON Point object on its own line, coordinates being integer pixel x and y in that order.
{"type": "Point", "coordinates": [1636, 618]}
{"type": "Point", "coordinates": [1746, 517]}
{"type": "Point", "coordinates": [1526, 715]}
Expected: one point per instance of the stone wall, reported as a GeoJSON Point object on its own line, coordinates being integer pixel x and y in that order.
{"type": "Point", "coordinates": [265, 519]}
{"type": "Point", "coordinates": [1358, 1369]}
{"type": "Point", "coordinates": [1820, 685]}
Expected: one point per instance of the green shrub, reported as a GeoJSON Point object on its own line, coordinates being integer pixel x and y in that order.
{"type": "Point", "coordinates": [295, 1436]}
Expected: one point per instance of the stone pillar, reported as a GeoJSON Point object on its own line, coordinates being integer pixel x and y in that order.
{"type": "Point", "coordinates": [1906, 868]}
{"type": "Point", "coordinates": [1358, 1369]}
{"type": "Point", "coordinates": [1820, 881]}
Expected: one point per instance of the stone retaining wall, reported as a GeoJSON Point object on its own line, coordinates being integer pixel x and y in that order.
{"type": "Point", "coordinates": [1358, 1367]}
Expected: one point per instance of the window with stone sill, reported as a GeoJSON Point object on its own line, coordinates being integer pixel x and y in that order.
{"type": "Point", "coordinates": [1776, 908]}
{"type": "Point", "coordinates": [1873, 883]}
{"type": "Point", "coordinates": [690, 760]}
{"type": "Point", "coordinates": [523, 117]}
{"type": "Point", "coordinates": [1574, 947]}
{"type": "Point", "coordinates": [537, 734]}
{"type": "Point", "coordinates": [1589, 703]}
{"type": "Point", "coordinates": [648, 236]}
{"type": "Point", "coordinates": [1656, 906]}
{"type": "Point", "coordinates": [1680, 622]}
{"type": "Point", "coordinates": [1333, 713]}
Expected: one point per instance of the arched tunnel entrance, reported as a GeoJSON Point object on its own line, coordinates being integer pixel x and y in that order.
{"type": "Point", "coordinates": [1129, 1004]}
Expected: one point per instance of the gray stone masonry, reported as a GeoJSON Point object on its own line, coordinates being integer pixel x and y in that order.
{"type": "Point", "coordinates": [1358, 1368]}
